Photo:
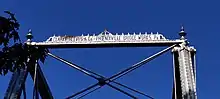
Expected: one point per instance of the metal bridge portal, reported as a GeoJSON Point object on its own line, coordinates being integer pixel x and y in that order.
{"type": "Point", "coordinates": [184, 67]}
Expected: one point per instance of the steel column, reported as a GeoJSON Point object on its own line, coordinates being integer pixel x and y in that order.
{"type": "Point", "coordinates": [43, 87]}
{"type": "Point", "coordinates": [18, 78]}
{"type": "Point", "coordinates": [184, 81]}
{"type": "Point", "coordinates": [15, 85]}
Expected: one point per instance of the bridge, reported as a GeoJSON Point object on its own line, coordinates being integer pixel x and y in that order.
{"type": "Point", "coordinates": [184, 67]}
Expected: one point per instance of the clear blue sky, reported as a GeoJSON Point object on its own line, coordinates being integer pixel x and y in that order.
{"type": "Point", "coordinates": [74, 17]}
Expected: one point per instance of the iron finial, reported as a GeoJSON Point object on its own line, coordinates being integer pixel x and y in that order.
{"type": "Point", "coordinates": [29, 36]}
{"type": "Point", "coordinates": [182, 32]}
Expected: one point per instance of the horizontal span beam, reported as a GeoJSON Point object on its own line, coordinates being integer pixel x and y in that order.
{"type": "Point", "coordinates": [106, 44]}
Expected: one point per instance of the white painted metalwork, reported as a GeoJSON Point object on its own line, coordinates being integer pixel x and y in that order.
{"type": "Point", "coordinates": [106, 38]}
{"type": "Point", "coordinates": [184, 60]}
{"type": "Point", "coordinates": [188, 84]}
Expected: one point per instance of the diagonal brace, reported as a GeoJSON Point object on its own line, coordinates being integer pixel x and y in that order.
{"type": "Point", "coordinates": [101, 79]}
{"type": "Point", "coordinates": [139, 64]}
{"type": "Point", "coordinates": [118, 75]}
{"type": "Point", "coordinates": [135, 66]}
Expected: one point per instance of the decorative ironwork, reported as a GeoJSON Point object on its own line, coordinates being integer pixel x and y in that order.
{"type": "Point", "coordinates": [107, 37]}
{"type": "Point", "coordinates": [183, 61]}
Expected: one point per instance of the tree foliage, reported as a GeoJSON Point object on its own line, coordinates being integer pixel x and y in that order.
{"type": "Point", "coordinates": [14, 54]}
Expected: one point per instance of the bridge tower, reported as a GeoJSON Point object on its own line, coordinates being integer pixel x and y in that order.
{"type": "Point", "coordinates": [184, 70]}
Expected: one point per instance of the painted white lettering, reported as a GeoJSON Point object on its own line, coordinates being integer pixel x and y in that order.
{"type": "Point", "coordinates": [106, 38]}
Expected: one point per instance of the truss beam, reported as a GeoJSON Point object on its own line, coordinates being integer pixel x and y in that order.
{"type": "Point", "coordinates": [107, 39]}
{"type": "Point", "coordinates": [105, 45]}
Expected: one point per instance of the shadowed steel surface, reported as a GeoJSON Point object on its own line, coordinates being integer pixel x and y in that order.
{"type": "Point", "coordinates": [89, 92]}
{"type": "Point", "coordinates": [43, 87]}
{"type": "Point", "coordinates": [15, 85]}
{"type": "Point", "coordinates": [18, 78]}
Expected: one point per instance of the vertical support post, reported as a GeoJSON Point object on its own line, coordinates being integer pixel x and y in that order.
{"type": "Point", "coordinates": [184, 79]}
{"type": "Point", "coordinates": [193, 57]}
{"type": "Point", "coordinates": [174, 94]}
{"type": "Point", "coordinates": [19, 77]}
{"type": "Point", "coordinates": [43, 87]}
{"type": "Point", "coordinates": [177, 93]}
{"type": "Point", "coordinates": [15, 85]}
